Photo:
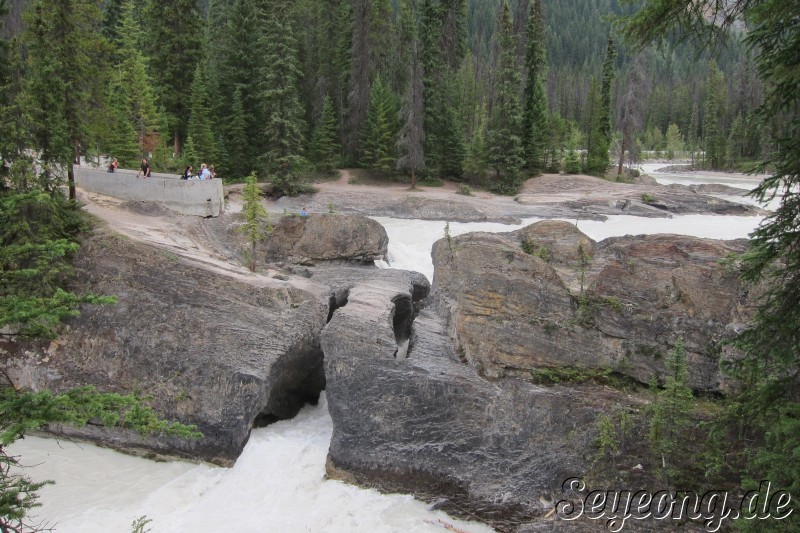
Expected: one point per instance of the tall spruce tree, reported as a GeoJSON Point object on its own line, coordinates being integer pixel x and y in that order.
{"type": "Point", "coordinates": [597, 156]}
{"type": "Point", "coordinates": [64, 77]}
{"type": "Point", "coordinates": [535, 116]}
{"type": "Point", "coordinates": [359, 84]}
{"type": "Point", "coordinates": [174, 38]}
{"type": "Point", "coordinates": [411, 143]}
{"type": "Point", "coordinates": [443, 38]}
{"type": "Point", "coordinates": [505, 150]}
{"type": "Point", "coordinates": [239, 70]}
{"type": "Point", "coordinates": [324, 150]}
{"type": "Point", "coordinates": [132, 73]}
{"type": "Point", "coordinates": [284, 127]}
{"type": "Point", "coordinates": [380, 135]}
{"type": "Point", "coordinates": [200, 126]}
{"type": "Point", "coordinates": [712, 145]}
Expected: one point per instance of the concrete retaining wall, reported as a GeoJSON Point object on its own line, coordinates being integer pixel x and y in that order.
{"type": "Point", "coordinates": [192, 197]}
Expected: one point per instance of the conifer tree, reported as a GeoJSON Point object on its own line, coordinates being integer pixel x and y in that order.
{"type": "Point", "coordinates": [131, 89]}
{"type": "Point", "coordinates": [443, 47]}
{"type": "Point", "coordinates": [255, 216]}
{"type": "Point", "coordinates": [359, 87]}
{"type": "Point", "coordinates": [411, 143]}
{"type": "Point", "coordinates": [671, 411]}
{"type": "Point", "coordinates": [189, 155]}
{"type": "Point", "coordinates": [200, 127]}
{"type": "Point", "coordinates": [324, 142]}
{"type": "Point", "coordinates": [712, 145]}
{"type": "Point", "coordinates": [475, 164]}
{"type": "Point", "coordinates": [174, 36]}
{"type": "Point", "coordinates": [240, 66]}
{"type": "Point", "coordinates": [535, 116]}
{"type": "Point", "coordinates": [692, 135]}
{"type": "Point", "coordinates": [64, 76]}
{"type": "Point", "coordinates": [597, 154]}
{"type": "Point", "coordinates": [380, 133]}
{"type": "Point", "coordinates": [284, 126]}
{"type": "Point", "coordinates": [505, 150]}
{"type": "Point", "coordinates": [237, 161]}
{"type": "Point", "coordinates": [121, 137]}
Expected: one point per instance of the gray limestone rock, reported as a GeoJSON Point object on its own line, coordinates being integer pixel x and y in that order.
{"type": "Point", "coordinates": [326, 237]}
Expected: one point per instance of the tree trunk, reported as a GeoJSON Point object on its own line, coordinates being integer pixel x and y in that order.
{"type": "Point", "coordinates": [413, 179]}
{"type": "Point", "coordinates": [176, 146]}
{"type": "Point", "coordinates": [71, 175]}
{"type": "Point", "coordinates": [621, 157]}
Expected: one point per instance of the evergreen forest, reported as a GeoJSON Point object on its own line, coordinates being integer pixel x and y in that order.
{"type": "Point", "coordinates": [485, 91]}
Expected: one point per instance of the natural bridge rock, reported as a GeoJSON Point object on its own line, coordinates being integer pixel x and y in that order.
{"type": "Point", "coordinates": [217, 351]}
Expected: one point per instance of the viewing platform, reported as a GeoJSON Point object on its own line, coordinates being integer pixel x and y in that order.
{"type": "Point", "coordinates": [204, 198]}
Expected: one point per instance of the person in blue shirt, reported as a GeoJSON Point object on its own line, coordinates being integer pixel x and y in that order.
{"type": "Point", "coordinates": [205, 174]}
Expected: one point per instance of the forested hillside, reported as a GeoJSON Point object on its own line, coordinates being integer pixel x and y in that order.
{"type": "Point", "coordinates": [466, 90]}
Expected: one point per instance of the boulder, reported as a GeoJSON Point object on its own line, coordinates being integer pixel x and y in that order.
{"type": "Point", "coordinates": [326, 237]}
{"type": "Point", "coordinates": [222, 352]}
{"type": "Point", "coordinates": [622, 307]}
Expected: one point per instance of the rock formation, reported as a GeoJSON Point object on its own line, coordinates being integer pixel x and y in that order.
{"type": "Point", "coordinates": [221, 353]}
{"type": "Point", "coordinates": [461, 419]}
{"type": "Point", "coordinates": [548, 296]}
{"type": "Point", "coordinates": [326, 237]}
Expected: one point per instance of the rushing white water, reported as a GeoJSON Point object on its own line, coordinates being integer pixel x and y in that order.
{"type": "Point", "coordinates": [276, 485]}
{"type": "Point", "coordinates": [410, 241]}
{"type": "Point", "coordinates": [278, 482]}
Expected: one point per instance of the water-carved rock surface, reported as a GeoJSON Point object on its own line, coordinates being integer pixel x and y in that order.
{"type": "Point", "coordinates": [548, 296]}
{"type": "Point", "coordinates": [326, 237]}
{"type": "Point", "coordinates": [208, 349]}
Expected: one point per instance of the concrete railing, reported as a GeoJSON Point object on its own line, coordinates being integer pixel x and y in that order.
{"type": "Point", "coordinates": [189, 197]}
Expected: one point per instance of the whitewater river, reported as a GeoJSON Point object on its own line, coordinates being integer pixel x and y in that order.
{"type": "Point", "coordinates": [278, 484]}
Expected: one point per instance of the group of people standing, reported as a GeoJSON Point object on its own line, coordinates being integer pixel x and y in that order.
{"type": "Point", "coordinates": [206, 173]}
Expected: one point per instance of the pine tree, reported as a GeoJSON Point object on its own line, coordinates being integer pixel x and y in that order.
{"type": "Point", "coordinates": [442, 41]}
{"type": "Point", "coordinates": [737, 140]}
{"type": "Point", "coordinates": [237, 161]}
{"type": "Point", "coordinates": [240, 69]}
{"type": "Point", "coordinates": [63, 77]}
{"type": "Point", "coordinates": [632, 107]}
{"type": "Point", "coordinates": [200, 126]}
{"type": "Point", "coordinates": [597, 153]}
{"type": "Point", "coordinates": [475, 165]}
{"type": "Point", "coordinates": [174, 36]}
{"type": "Point", "coordinates": [535, 115]}
{"type": "Point", "coordinates": [380, 133]}
{"type": "Point", "coordinates": [505, 151]}
{"type": "Point", "coordinates": [674, 140]}
{"type": "Point", "coordinates": [671, 411]}
{"type": "Point", "coordinates": [283, 115]}
{"type": "Point", "coordinates": [359, 86]}
{"type": "Point", "coordinates": [692, 135]}
{"type": "Point", "coordinates": [189, 155]}
{"type": "Point", "coordinates": [255, 216]}
{"type": "Point", "coordinates": [122, 140]}
{"type": "Point", "coordinates": [411, 142]}
{"type": "Point", "coordinates": [133, 86]}
{"type": "Point", "coordinates": [711, 134]}
{"type": "Point", "coordinates": [325, 148]}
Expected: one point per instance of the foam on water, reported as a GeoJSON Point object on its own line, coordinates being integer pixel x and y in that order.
{"type": "Point", "coordinates": [277, 484]}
